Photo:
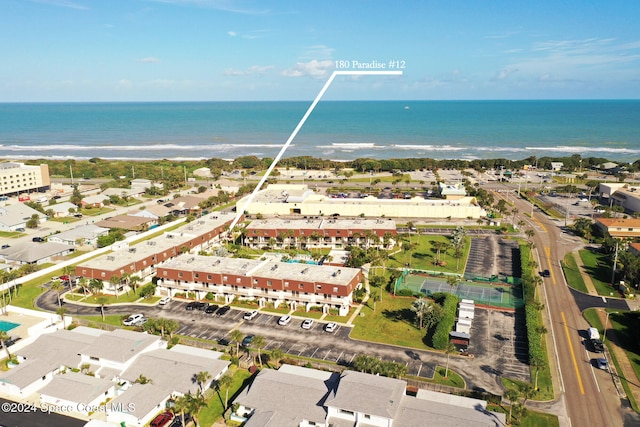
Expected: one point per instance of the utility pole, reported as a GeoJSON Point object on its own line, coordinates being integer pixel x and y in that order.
{"type": "Point", "coordinates": [615, 262]}
{"type": "Point", "coordinates": [71, 173]}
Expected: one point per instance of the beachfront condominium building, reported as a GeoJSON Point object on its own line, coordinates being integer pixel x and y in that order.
{"type": "Point", "coordinates": [16, 178]}
{"type": "Point", "coordinates": [314, 233]}
{"type": "Point", "coordinates": [281, 199]}
{"type": "Point", "coordinates": [263, 280]}
{"type": "Point", "coordinates": [142, 259]}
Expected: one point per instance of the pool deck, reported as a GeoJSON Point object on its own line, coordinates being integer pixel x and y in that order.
{"type": "Point", "coordinates": [24, 320]}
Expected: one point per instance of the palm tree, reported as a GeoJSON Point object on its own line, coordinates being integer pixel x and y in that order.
{"type": "Point", "coordinates": [259, 342]}
{"type": "Point", "coordinates": [236, 336]}
{"type": "Point", "coordinates": [438, 246]}
{"type": "Point", "coordinates": [452, 281]}
{"type": "Point", "coordinates": [418, 306]}
{"type": "Point", "coordinates": [133, 282]}
{"type": "Point", "coordinates": [537, 363]}
{"type": "Point", "coordinates": [114, 281]}
{"type": "Point", "coordinates": [276, 355]}
{"type": "Point", "coordinates": [448, 350]}
{"type": "Point", "coordinates": [180, 406]}
{"type": "Point", "coordinates": [195, 404]}
{"type": "Point", "coordinates": [512, 395]}
{"type": "Point", "coordinates": [83, 283]}
{"type": "Point", "coordinates": [225, 382]}
{"type": "Point", "coordinates": [57, 287]}
{"type": "Point", "coordinates": [201, 378]}
{"type": "Point", "coordinates": [61, 311]}
{"type": "Point", "coordinates": [102, 301]}
{"type": "Point", "coordinates": [3, 340]}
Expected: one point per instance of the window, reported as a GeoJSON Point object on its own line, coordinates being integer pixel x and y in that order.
{"type": "Point", "coordinates": [180, 274]}
{"type": "Point", "coordinates": [196, 275]}
{"type": "Point", "coordinates": [238, 280]}
{"type": "Point", "coordinates": [225, 278]}
{"type": "Point", "coordinates": [342, 411]}
{"type": "Point", "coordinates": [335, 289]}
{"type": "Point", "coordinates": [208, 276]}
{"type": "Point", "coordinates": [300, 286]}
{"type": "Point", "coordinates": [318, 286]}
{"type": "Point", "coordinates": [269, 283]}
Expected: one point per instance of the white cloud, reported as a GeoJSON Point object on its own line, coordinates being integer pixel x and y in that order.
{"type": "Point", "coordinates": [504, 73]}
{"type": "Point", "coordinates": [224, 5]}
{"type": "Point", "coordinates": [63, 3]}
{"type": "Point", "coordinates": [148, 60]}
{"type": "Point", "coordinates": [232, 33]}
{"type": "Point", "coordinates": [251, 71]}
{"type": "Point", "coordinates": [314, 68]}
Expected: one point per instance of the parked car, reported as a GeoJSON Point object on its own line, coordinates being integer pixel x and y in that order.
{"type": "Point", "coordinates": [284, 320]}
{"type": "Point", "coordinates": [164, 300]}
{"type": "Point", "coordinates": [5, 246]}
{"type": "Point", "coordinates": [21, 230]}
{"type": "Point", "coordinates": [201, 306]}
{"type": "Point", "coordinates": [162, 419]}
{"type": "Point", "coordinates": [331, 327]}
{"type": "Point", "coordinates": [307, 324]}
{"type": "Point", "coordinates": [211, 308]}
{"type": "Point", "coordinates": [133, 319]}
{"type": "Point", "coordinates": [602, 363]}
{"type": "Point", "coordinates": [191, 305]}
{"type": "Point", "coordinates": [223, 310]}
{"type": "Point", "coordinates": [250, 315]}
{"type": "Point", "coordinates": [246, 342]}
{"type": "Point", "coordinates": [598, 346]}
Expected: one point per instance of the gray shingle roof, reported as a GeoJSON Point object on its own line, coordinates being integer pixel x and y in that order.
{"type": "Point", "coordinates": [382, 398]}
{"type": "Point", "coordinates": [120, 345]}
{"type": "Point", "coordinates": [76, 387]}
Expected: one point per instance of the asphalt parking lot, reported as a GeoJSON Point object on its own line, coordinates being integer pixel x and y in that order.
{"type": "Point", "coordinates": [492, 255]}
{"type": "Point", "coordinates": [335, 347]}
{"type": "Point", "coordinates": [500, 340]}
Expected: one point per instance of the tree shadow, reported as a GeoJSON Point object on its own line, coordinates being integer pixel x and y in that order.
{"type": "Point", "coordinates": [405, 315]}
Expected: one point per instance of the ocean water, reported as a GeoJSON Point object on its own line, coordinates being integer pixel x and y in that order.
{"type": "Point", "coordinates": [334, 130]}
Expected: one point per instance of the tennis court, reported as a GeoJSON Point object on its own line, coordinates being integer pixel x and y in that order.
{"type": "Point", "coordinates": [502, 295]}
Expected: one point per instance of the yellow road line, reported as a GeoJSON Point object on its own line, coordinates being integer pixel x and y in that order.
{"type": "Point", "coordinates": [540, 224]}
{"type": "Point", "coordinates": [547, 250]}
{"type": "Point", "coordinates": [573, 355]}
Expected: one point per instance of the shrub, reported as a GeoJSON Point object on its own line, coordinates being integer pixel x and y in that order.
{"type": "Point", "coordinates": [147, 290]}
{"type": "Point", "coordinates": [441, 334]}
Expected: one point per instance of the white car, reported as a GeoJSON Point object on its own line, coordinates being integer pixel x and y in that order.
{"type": "Point", "coordinates": [164, 300]}
{"type": "Point", "coordinates": [330, 327]}
{"type": "Point", "coordinates": [284, 320]}
{"type": "Point", "coordinates": [307, 324]}
{"type": "Point", "coordinates": [250, 315]}
{"type": "Point", "coordinates": [133, 319]}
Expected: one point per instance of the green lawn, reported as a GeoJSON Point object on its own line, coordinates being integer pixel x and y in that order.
{"type": "Point", "coordinates": [390, 323]}
{"type": "Point", "coordinates": [215, 405]}
{"type": "Point", "coordinates": [309, 314]}
{"type": "Point", "coordinates": [95, 211]}
{"type": "Point", "coordinates": [572, 273]}
{"type": "Point", "coordinates": [539, 419]}
{"type": "Point", "coordinates": [339, 319]}
{"type": "Point", "coordinates": [10, 234]}
{"type": "Point", "coordinates": [111, 299]}
{"type": "Point", "coordinates": [452, 379]}
{"type": "Point", "coordinates": [422, 257]}
{"type": "Point", "coordinates": [599, 268]}
{"type": "Point", "coordinates": [64, 219]}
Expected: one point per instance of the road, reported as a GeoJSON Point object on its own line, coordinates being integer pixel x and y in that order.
{"type": "Point", "coordinates": [589, 395]}
{"type": "Point", "coordinates": [14, 414]}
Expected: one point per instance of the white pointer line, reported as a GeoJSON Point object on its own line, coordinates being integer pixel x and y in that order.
{"type": "Point", "coordinates": [297, 129]}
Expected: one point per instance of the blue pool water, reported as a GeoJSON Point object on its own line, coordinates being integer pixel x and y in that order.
{"type": "Point", "coordinates": [7, 326]}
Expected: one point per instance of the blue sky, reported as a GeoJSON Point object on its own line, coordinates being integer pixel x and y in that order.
{"type": "Point", "coordinates": [209, 50]}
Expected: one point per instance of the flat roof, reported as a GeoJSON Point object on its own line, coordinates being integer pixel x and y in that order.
{"type": "Point", "coordinates": [323, 224]}
{"type": "Point", "coordinates": [76, 387]}
{"type": "Point", "coordinates": [120, 345]}
{"type": "Point", "coordinates": [267, 269]}
{"type": "Point", "coordinates": [117, 259]}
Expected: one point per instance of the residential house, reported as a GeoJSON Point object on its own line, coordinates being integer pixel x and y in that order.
{"type": "Point", "coordinates": [13, 217]}
{"type": "Point", "coordinates": [619, 227]}
{"type": "Point", "coordinates": [62, 209]}
{"type": "Point", "coordinates": [30, 253]}
{"type": "Point", "coordinates": [295, 396]}
{"type": "Point", "coordinates": [95, 201]}
{"type": "Point", "coordinates": [83, 393]}
{"type": "Point", "coordinates": [81, 235]}
{"type": "Point", "coordinates": [127, 222]}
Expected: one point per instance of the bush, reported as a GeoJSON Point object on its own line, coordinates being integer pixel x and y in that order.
{"type": "Point", "coordinates": [441, 334]}
{"type": "Point", "coordinates": [147, 291]}
{"type": "Point", "coordinates": [404, 293]}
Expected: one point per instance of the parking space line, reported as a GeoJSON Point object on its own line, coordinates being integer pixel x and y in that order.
{"type": "Point", "coordinates": [341, 353]}
{"type": "Point", "coordinates": [326, 355]}
{"type": "Point", "coordinates": [314, 353]}
{"type": "Point", "coordinates": [352, 357]}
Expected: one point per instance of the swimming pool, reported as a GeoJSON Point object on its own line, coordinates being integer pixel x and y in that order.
{"type": "Point", "coordinates": [7, 326]}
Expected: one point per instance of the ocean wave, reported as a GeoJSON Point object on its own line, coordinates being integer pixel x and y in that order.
{"type": "Point", "coordinates": [583, 149]}
{"type": "Point", "coordinates": [428, 147]}
{"type": "Point", "coordinates": [354, 144]}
